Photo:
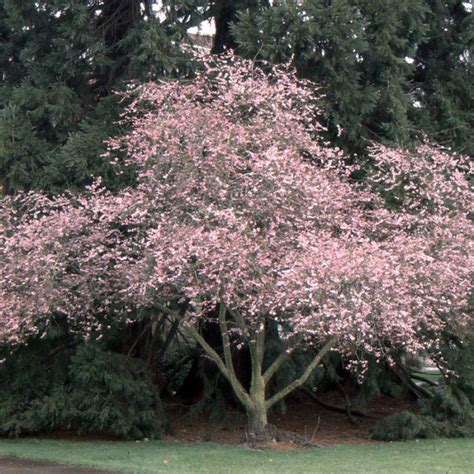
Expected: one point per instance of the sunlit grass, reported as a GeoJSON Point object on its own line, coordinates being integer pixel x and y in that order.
{"type": "Point", "coordinates": [453, 456]}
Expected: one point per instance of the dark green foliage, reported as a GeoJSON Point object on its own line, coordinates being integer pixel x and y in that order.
{"type": "Point", "coordinates": [59, 62]}
{"type": "Point", "coordinates": [109, 393]}
{"type": "Point", "coordinates": [216, 399]}
{"type": "Point", "coordinates": [459, 357]}
{"type": "Point", "coordinates": [22, 152]}
{"type": "Point", "coordinates": [49, 387]}
{"type": "Point", "coordinates": [379, 379]}
{"type": "Point", "coordinates": [200, 386]}
{"type": "Point", "coordinates": [448, 403]}
{"type": "Point", "coordinates": [357, 51]}
{"type": "Point", "coordinates": [404, 426]}
{"type": "Point", "coordinates": [79, 160]}
{"type": "Point", "coordinates": [453, 400]}
{"type": "Point", "coordinates": [449, 411]}
{"type": "Point", "coordinates": [442, 81]}
{"type": "Point", "coordinates": [407, 425]}
{"type": "Point", "coordinates": [31, 395]}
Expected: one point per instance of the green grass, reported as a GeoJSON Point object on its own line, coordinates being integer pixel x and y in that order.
{"type": "Point", "coordinates": [442, 455]}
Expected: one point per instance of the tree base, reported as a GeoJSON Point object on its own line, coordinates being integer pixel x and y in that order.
{"type": "Point", "coordinates": [267, 439]}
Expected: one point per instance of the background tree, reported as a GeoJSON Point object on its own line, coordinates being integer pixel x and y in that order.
{"type": "Point", "coordinates": [388, 71]}
{"type": "Point", "coordinates": [60, 62]}
{"type": "Point", "coordinates": [444, 74]}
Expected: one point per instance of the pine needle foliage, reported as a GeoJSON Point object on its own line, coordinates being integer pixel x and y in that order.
{"type": "Point", "coordinates": [390, 71]}
{"type": "Point", "coordinates": [87, 390]}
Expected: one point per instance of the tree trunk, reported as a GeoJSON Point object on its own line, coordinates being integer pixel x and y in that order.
{"type": "Point", "coordinates": [114, 23]}
{"type": "Point", "coordinates": [257, 429]}
{"type": "Point", "coordinates": [257, 412]}
{"type": "Point", "coordinates": [226, 14]}
{"type": "Point", "coordinates": [254, 400]}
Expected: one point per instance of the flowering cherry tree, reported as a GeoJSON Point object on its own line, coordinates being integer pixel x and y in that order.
{"type": "Point", "coordinates": [240, 210]}
{"type": "Point", "coordinates": [65, 256]}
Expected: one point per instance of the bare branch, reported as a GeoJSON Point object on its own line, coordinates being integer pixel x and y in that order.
{"type": "Point", "coordinates": [278, 362]}
{"type": "Point", "coordinates": [236, 385]}
{"type": "Point", "coordinates": [301, 380]}
{"type": "Point", "coordinates": [226, 370]}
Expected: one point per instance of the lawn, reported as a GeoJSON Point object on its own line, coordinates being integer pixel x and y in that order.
{"type": "Point", "coordinates": [446, 456]}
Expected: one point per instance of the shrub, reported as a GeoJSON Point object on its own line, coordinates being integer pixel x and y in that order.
{"type": "Point", "coordinates": [99, 392]}
{"type": "Point", "coordinates": [448, 413]}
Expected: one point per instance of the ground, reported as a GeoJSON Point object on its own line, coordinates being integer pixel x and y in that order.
{"type": "Point", "coordinates": [199, 445]}
{"type": "Point", "coordinates": [420, 457]}
{"type": "Point", "coordinates": [305, 417]}
{"type": "Point", "coordinates": [10, 465]}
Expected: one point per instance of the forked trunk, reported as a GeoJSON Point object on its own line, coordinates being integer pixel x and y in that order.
{"type": "Point", "coordinates": [254, 400]}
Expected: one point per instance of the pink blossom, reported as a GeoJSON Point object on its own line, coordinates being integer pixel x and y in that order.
{"type": "Point", "coordinates": [238, 202]}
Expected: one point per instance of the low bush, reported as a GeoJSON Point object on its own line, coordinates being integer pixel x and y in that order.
{"type": "Point", "coordinates": [447, 413]}
{"type": "Point", "coordinates": [88, 390]}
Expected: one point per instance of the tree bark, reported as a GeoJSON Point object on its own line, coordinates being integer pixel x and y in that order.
{"type": "Point", "coordinates": [257, 413]}
{"type": "Point", "coordinates": [226, 13]}
{"type": "Point", "coordinates": [254, 400]}
{"type": "Point", "coordinates": [114, 23]}
{"type": "Point", "coordinates": [258, 424]}
{"type": "Point", "coordinates": [301, 380]}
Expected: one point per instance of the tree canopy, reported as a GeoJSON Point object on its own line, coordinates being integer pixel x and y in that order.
{"type": "Point", "coordinates": [60, 63]}
{"type": "Point", "coordinates": [240, 208]}
{"type": "Point", "coordinates": [313, 198]}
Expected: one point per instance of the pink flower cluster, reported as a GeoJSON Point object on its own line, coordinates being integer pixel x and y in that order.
{"type": "Point", "coordinates": [239, 202]}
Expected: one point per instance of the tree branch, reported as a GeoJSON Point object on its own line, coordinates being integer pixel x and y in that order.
{"type": "Point", "coordinates": [277, 363]}
{"type": "Point", "coordinates": [228, 372]}
{"type": "Point", "coordinates": [232, 377]}
{"type": "Point", "coordinates": [240, 322]}
{"type": "Point", "coordinates": [134, 345]}
{"type": "Point", "coordinates": [334, 408]}
{"type": "Point", "coordinates": [260, 346]}
{"type": "Point", "coordinates": [171, 334]}
{"type": "Point", "coordinates": [301, 380]}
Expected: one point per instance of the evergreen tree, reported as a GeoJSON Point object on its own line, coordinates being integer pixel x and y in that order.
{"type": "Point", "coordinates": [444, 75]}
{"type": "Point", "coordinates": [62, 59]}
{"type": "Point", "coordinates": [60, 62]}
{"type": "Point", "coordinates": [393, 30]}
{"type": "Point", "coordinates": [225, 13]}
{"type": "Point", "coordinates": [389, 70]}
